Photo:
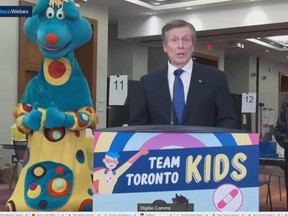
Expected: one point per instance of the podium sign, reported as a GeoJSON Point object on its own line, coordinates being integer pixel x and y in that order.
{"type": "Point", "coordinates": [164, 171]}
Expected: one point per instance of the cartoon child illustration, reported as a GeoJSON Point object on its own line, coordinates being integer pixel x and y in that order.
{"type": "Point", "coordinates": [180, 199]}
{"type": "Point", "coordinates": [181, 203]}
{"type": "Point", "coordinates": [106, 178]}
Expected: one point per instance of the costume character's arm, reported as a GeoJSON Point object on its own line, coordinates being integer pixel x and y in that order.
{"type": "Point", "coordinates": [28, 118]}
{"type": "Point", "coordinates": [83, 118]}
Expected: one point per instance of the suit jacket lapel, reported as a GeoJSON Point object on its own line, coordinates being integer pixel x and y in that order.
{"type": "Point", "coordinates": [162, 80]}
{"type": "Point", "coordinates": [196, 85]}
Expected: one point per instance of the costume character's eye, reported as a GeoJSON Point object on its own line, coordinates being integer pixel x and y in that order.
{"type": "Point", "coordinates": [60, 14]}
{"type": "Point", "coordinates": [50, 13]}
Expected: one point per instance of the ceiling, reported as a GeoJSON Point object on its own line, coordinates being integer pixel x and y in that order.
{"type": "Point", "coordinates": [231, 40]}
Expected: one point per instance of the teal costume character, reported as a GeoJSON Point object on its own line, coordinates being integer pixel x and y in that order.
{"type": "Point", "coordinates": [54, 112]}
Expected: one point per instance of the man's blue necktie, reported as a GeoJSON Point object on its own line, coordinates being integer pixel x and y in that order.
{"type": "Point", "coordinates": [178, 95]}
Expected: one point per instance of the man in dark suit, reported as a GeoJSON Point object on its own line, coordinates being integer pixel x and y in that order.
{"type": "Point", "coordinates": [208, 101]}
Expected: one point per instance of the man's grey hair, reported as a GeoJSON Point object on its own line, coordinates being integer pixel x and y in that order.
{"type": "Point", "coordinates": [177, 24]}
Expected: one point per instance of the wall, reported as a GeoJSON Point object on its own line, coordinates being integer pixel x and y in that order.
{"type": "Point", "coordinates": [8, 72]}
{"type": "Point", "coordinates": [268, 87]}
{"type": "Point", "coordinates": [237, 70]}
{"type": "Point", "coordinates": [126, 57]}
{"type": "Point", "coordinates": [237, 73]}
{"type": "Point", "coordinates": [120, 54]}
{"type": "Point", "coordinates": [156, 58]}
{"type": "Point", "coordinates": [140, 59]}
{"type": "Point", "coordinates": [100, 13]}
{"type": "Point", "coordinates": [215, 52]}
{"type": "Point", "coordinates": [252, 85]}
{"type": "Point", "coordinates": [248, 15]}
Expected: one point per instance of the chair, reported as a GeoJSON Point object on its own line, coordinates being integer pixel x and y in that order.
{"type": "Point", "coordinates": [279, 175]}
{"type": "Point", "coordinates": [267, 183]}
{"type": "Point", "coordinates": [19, 149]}
{"type": "Point", "coordinates": [264, 172]}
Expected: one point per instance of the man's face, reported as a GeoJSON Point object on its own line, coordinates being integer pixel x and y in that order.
{"type": "Point", "coordinates": [179, 46]}
{"type": "Point", "coordinates": [110, 162]}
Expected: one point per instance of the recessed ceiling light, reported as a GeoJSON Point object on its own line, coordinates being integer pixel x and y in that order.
{"type": "Point", "coordinates": [276, 42]}
{"type": "Point", "coordinates": [188, 8]}
{"type": "Point", "coordinates": [148, 13]}
{"type": "Point", "coordinates": [267, 51]}
{"type": "Point", "coordinates": [156, 3]}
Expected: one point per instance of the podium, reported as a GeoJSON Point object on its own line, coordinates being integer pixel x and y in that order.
{"type": "Point", "coordinates": [175, 168]}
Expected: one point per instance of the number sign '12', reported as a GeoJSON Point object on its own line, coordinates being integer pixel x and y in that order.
{"type": "Point", "coordinates": [248, 103]}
